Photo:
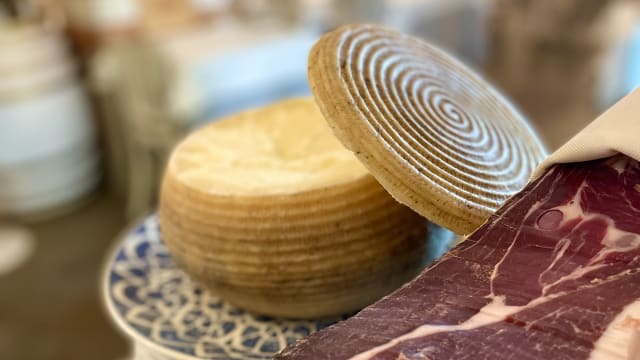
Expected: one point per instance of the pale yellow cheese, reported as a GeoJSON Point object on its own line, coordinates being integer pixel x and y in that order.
{"type": "Point", "coordinates": [279, 149]}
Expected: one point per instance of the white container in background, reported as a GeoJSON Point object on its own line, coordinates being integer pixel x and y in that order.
{"type": "Point", "coordinates": [48, 183]}
{"type": "Point", "coordinates": [48, 155]}
{"type": "Point", "coordinates": [20, 84]}
{"type": "Point", "coordinates": [44, 175]}
{"type": "Point", "coordinates": [43, 125]}
{"type": "Point", "coordinates": [29, 51]}
{"type": "Point", "coordinates": [103, 15]}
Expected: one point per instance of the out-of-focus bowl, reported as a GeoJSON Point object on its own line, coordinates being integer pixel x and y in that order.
{"type": "Point", "coordinates": [44, 125]}
{"type": "Point", "coordinates": [54, 189]}
{"type": "Point", "coordinates": [25, 85]}
{"type": "Point", "coordinates": [28, 47]}
{"type": "Point", "coordinates": [41, 176]}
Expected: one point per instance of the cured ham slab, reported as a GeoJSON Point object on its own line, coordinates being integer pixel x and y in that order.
{"type": "Point", "coordinates": [554, 274]}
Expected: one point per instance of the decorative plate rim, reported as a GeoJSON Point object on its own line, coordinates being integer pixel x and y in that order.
{"type": "Point", "coordinates": [107, 301]}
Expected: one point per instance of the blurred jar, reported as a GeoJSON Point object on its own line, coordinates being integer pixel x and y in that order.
{"type": "Point", "coordinates": [89, 22]}
{"type": "Point", "coordinates": [268, 11]}
{"type": "Point", "coordinates": [563, 45]}
{"type": "Point", "coordinates": [48, 158]}
{"type": "Point", "coordinates": [561, 60]}
{"type": "Point", "coordinates": [357, 11]}
{"type": "Point", "coordinates": [101, 15]}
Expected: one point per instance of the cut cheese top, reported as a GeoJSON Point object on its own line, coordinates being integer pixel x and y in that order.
{"type": "Point", "coordinates": [283, 148]}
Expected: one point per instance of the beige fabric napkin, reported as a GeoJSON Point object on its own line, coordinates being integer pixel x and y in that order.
{"type": "Point", "coordinates": [617, 130]}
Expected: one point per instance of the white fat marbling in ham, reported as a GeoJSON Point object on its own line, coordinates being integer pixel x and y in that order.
{"type": "Point", "coordinates": [493, 312]}
{"type": "Point", "coordinates": [621, 340]}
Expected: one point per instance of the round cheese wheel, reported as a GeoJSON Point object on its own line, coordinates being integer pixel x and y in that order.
{"type": "Point", "coordinates": [269, 210]}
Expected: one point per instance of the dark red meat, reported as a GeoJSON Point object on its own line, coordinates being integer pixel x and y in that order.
{"type": "Point", "coordinates": [543, 278]}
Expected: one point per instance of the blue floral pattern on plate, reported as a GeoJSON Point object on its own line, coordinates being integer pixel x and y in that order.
{"type": "Point", "coordinates": [159, 306]}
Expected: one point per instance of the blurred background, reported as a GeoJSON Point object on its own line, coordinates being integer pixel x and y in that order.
{"type": "Point", "coordinates": [94, 94]}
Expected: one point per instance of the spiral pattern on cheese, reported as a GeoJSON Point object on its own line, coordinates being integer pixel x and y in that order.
{"type": "Point", "coordinates": [436, 135]}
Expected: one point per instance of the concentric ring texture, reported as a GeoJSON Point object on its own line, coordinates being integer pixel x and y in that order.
{"type": "Point", "coordinates": [438, 137]}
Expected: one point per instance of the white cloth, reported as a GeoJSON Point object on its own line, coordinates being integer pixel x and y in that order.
{"type": "Point", "coordinates": [617, 130]}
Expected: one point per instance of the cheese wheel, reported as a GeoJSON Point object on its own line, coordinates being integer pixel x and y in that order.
{"type": "Point", "coordinates": [270, 211]}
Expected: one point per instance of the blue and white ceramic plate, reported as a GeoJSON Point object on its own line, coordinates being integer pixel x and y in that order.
{"type": "Point", "coordinates": [169, 317]}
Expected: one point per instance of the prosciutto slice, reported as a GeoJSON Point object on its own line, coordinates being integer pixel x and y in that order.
{"type": "Point", "coordinates": [554, 274]}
